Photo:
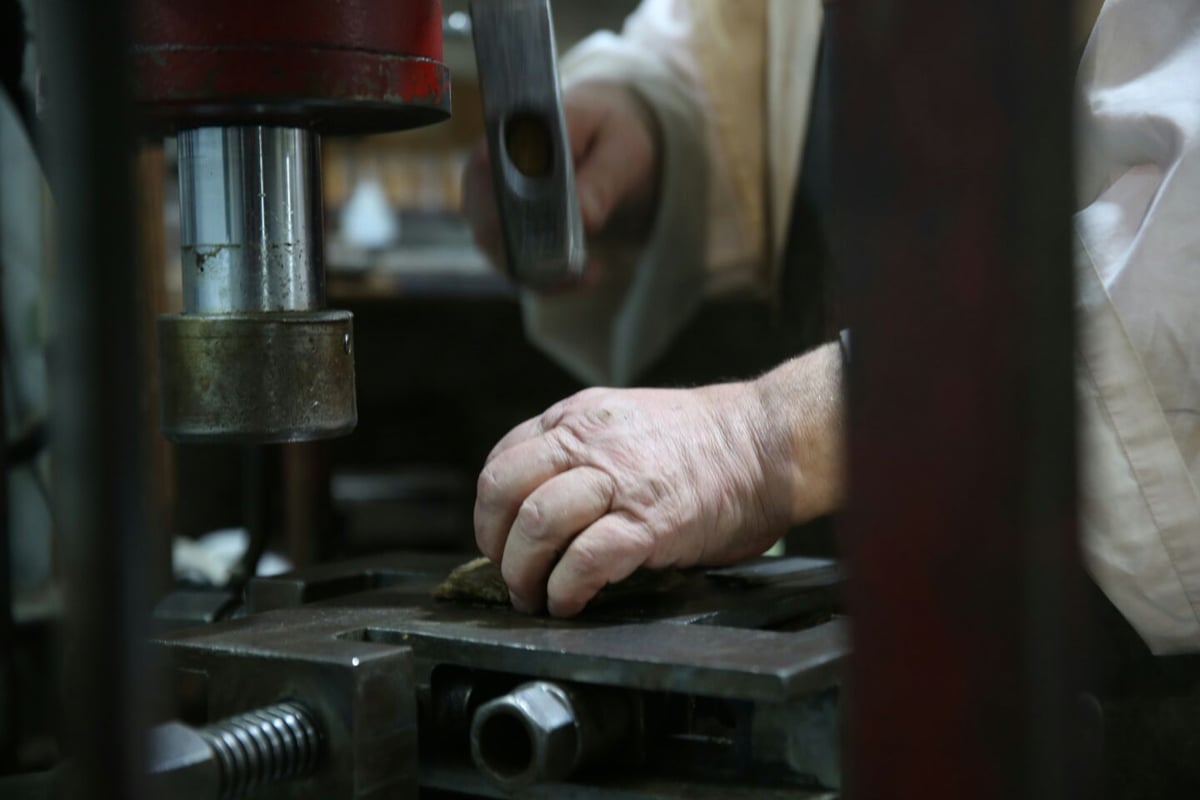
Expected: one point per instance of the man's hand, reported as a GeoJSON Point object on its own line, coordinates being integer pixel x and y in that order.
{"type": "Point", "coordinates": [609, 480]}
{"type": "Point", "coordinates": [614, 140]}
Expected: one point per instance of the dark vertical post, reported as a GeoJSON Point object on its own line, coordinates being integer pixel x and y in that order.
{"type": "Point", "coordinates": [152, 301]}
{"type": "Point", "coordinates": [97, 385]}
{"type": "Point", "coordinates": [8, 644]}
{"type": "Point", "coordinates": [954, 196]}
{"type": "Point", "coordinates": [307, 513]}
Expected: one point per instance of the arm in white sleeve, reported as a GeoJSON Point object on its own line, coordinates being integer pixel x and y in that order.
{"type": "Point", "coordinates": [703, 234]}
{"type": "Point", "coordinates": [1139, 282]}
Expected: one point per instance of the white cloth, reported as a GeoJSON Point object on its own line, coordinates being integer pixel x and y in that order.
{"type": "Point", "coordinates": [1139, 281]}
{"type": "Point", "coordinates": [708, 110]}
{"type": "Point", "coordinates": [609, 333]}
{"type": "Point", "coordinates": [732, 146]}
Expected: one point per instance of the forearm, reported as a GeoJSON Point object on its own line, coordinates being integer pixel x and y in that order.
{"type": "Point", "coordinates": [802, 431]}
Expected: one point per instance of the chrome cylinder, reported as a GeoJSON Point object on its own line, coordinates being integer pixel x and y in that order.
{"type": "Point", "coordinates": [255, 357]}
{"type": "Point", "coordinates": [250, 220]}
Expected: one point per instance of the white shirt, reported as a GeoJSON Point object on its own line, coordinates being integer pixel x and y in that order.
{"type": "Point", "coordinates": [726, 76]}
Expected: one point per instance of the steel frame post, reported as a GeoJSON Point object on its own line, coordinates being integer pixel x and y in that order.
{"type": "Point", "coordinates": [952, 170]}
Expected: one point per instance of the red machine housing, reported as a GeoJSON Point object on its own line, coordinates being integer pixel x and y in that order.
{"type": "Point", "coordinates": [352, 66]}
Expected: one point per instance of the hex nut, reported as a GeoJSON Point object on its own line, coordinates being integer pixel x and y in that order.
{"type": "Point", "coordinates": [529, 735]}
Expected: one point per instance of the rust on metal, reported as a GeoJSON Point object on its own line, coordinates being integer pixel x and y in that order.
{"type": "Point", "coordinates": [257, 377]}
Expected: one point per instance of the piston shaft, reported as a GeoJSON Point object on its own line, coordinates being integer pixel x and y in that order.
{"type": "Point", "coordinates": [250, 220]}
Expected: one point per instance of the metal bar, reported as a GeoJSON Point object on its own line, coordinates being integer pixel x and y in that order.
{"type": "Point", "coordinates": [306, 517]}
{"type": "Point", "coordinates": [8, 697]}
{"type": "Point", "coordinates": [250, 220]}
{"type": "Point", "coordinates": [260, 469]}
{"type": "Point", "coordinates": [953, 195]}
{"type": "Point", "coordinates": [96, 430]}
{"type": "Point", "coordinates": [152, 301]}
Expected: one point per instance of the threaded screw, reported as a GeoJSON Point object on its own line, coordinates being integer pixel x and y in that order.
{"type": "Point", "coordinates": [263, 746]}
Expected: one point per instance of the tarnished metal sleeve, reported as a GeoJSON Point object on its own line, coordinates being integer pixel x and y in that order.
{"type": "Point", "coordinates": [250, 220]}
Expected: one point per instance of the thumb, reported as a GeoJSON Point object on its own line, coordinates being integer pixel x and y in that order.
{"type": "Point", "coordinates": [605, 176]}
{"type": "Point", "coordinates": [613, 145]}
{"type": "Point", "coordinates": [479, 205]}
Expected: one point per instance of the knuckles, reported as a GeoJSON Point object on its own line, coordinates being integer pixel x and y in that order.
{"type": "Point", "coordinates": [588, 554]}
{"type": "Point", "coordinates": [588, 398]}
{"type": "Point", "coordinates": [487, 488]}
{"type": "Point", "coordinates": [531, 520]}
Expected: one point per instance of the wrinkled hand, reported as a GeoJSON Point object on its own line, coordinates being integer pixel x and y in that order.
{"type": "Point", "coordinates": [611, 480]}
{"type": "Point", "coordinates": [614, 141]}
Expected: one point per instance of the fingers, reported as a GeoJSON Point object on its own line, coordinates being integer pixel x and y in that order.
{"type": "Point", "coordinates": [507, 480]}
{"type": "Point", "coordinates": [613, 147]}
{"type": "Point", "coordinates": [526, 430]}
{"type": "Point", "coordinates": [479, 205]}
{"type": "Point", "coordinates": [604, 177]}
{"type": "Point", "coordinates": [547, 521]}
{"type": "Point", "coordinates": [584, 116]}
{"type": "Point", "coordinates": [602, 127]}
{"type": "Point", "coordinates": [536, 425]}
{"type": "Point", "coordinates": [606, 552]}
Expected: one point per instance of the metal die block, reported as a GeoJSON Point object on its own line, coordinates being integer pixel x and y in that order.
{"type": "Point", "coordinates": [362, 695]}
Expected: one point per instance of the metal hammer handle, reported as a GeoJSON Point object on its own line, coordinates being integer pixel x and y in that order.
{"type": "Point", "coordinates": [532, 165]}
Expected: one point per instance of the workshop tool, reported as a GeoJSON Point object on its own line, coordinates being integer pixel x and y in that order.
{"type": "Point", "coordinates": [249, 90]}
{"type": "Point", "coordinates": [532, 165]}
{"type": "Point", "coordinates": [712, 688]}
{"type": "Point", "coordinates": [693, 683]}
{"type": "Point", "coordinates": [947, 642]}
{"type": "Point", "coordinates": [236, 756]}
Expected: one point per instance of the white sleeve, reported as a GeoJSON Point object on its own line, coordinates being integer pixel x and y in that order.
{"type": "Point", "coordinates": [608, 334]}
{"type": "Point", "coordinates": [1139, 282]}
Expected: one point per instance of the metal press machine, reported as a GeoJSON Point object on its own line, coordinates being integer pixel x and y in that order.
{"type": "Point", "coordinates": [349, 680]}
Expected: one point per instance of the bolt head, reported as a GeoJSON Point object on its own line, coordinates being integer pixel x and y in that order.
{"type": "Point", "coordinates": [553, 725]}
{"type": "Point", "coordinates": [540, 711]}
